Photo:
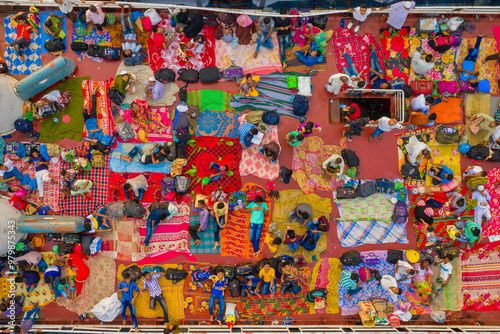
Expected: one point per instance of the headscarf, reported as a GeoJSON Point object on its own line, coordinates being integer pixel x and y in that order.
{"type": "Point", "coordinates": [244, 20]}
{"type": "Point", "coordinates": [226, 18]}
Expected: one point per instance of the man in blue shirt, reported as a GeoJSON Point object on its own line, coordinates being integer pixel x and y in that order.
{"type": "Point", "coordinates": [441, 175]}
{"type": "Point", "coordinates": [30, 278]}
{"type": "Point", "coordinates": [310, 57]}
{"type": "Point", "coordinates": [154, 218]}
{"type": "Point", "coordinates": [246, 131]}
{"type": "Point", "coordinates": [220, 283]}
{"type": "Point", "coordinates": [127, 288]}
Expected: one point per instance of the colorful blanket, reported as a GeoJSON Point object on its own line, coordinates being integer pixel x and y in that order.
{"type": "Point", "coordinates": [117, 164]}
{"type": "Point", "coordinates": [308, 157]}
{"type": "Point", "coordinates": [375, 207]}
{"type": "Point", "coordinates": [447, 155]}
{"type": "Point", "coordinates": [287, 203]}
{"type": "Point", "coordinates": [207, 237]}
{"type": "Point", "coordinates": [254, 163]}
{"type": "Point", "coordinates": [205, 155]}
{"type": "Point", "coordinates": [33, 53]}
{"type": "Point", "coordinates": [441, 223]}
{"type": "Point", "coordinates": [448, 112]}
{"type": "Point", "coordinates": [396, 46]}
{"type": "Point", "coordinates": [326, 274]}
{"type": "Point", "coordinates": [444, 63]}
{"type": "Point", "coordinates": [357, 233]}
{"type": "Point", "coordinates": [235, 238]}
{"type": "Point", "coordinates": [357, 49]}
{"type": "Point", "coordinates": [71, 120]}
{"type": "Point", "coordinates": [217, 124]}
{"type": "Point", "coordinates": [476, 104]}
{"type": "Point", "coordinates": [210, 99]}
{"type": "Point", "coordinates": [370, 289]}
{"type": "Point", "coordinates": [152, 136]}
{"type": "Point", "coordinates": [81, 206]}
{"type": "Point", "coordinates": [51, 190]}
{"type": "Point", "coordinates": [104, 118]}
{"type": "Point", "coordinates": [268, 61]}
{"type": "Point", "coordinates": [92, 37]}
{"type": "Point", "coordinates": [480, 278]}
{"type": "Point", "coordinates": [44, 37]}
{"type": "Point", "coordinates": [123, 243]}
{"type": "Point", "coordinates": [425, 135]}
{"type": "Point", "coordinates": [493, 227]}
{"type": "Point", "coordinates": [281, 305]}
{"type": "Point", "coordinates": [171, 291]}
{"type": "Point", "coordinates": [117, 180]}
{"type": "Point", "coordinates": [489, 70]}
{"type": "Point", "coordinates": [273, 95]}
{"type": "Point", "coordinates": [169, 57]}
{"type": "Point", "coordinates": [115, 33]}
{"type": "Point", "coordinates": [171, 236]}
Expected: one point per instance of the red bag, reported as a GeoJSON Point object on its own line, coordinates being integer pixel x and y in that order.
{"type": "Point", "coordinates": [18, 203]}
{"type": "Point", "coordinates": [253, 193]}
{"type": "Point", "coordinates": [422, 86]}
{"type": "Point", "coordinates": [146, 23]}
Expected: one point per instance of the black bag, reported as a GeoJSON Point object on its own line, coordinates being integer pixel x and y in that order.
{"type": "Point", "coordinates": [65, 248]}
{"type": "Point", "coordinates": [366, 189]}
{"type": "Point", "coordinates": [316, 293]}
{"type": "Point", "coordinates": [448, 250]}
{"type": "Point", "coordinates": [72, 238]}
{"type": "Point", "coordinates": [79, 47]}
{"type": "Point", "coordinates": [55, 45]}
{"type": "Point", "coordinates": [134, 272]}
{"type": "Point", "coordinates": [181, 151]}
{"type": "Point", "coordinates": [243, 269]}
{"type": "Point", "coordinates": [409, 171]}
{"type": "Point", "coordinates": [228, 271]}
{"type": "Point", "coordinates": [183, 136]}
{"type": "Point", "coordinates": [86, 242]}
{"type": "Point", "coordinates": [443, 137]}
{"type": "Point", "coordinates": [190, 76]}
{"type": "Point", "coordinates": [3, 67]}
{"type": "Point", "coordinates": [351, 258]}
{"type": "Point", "coordinates": [165, 75]}
{"type": "Point", "coordinates": [270, 118]}
{"type": "Point", "coordinates": [394, 255]}
{"type": "Point", "coordinates": [384, 186]}
{"type": "Point", "coordinates": [175, 275]}
{"type": "Point", "coordinates": [350, 158]}
{"type": "Point", "coordinates": [115, 96]}
{"type": "Point", "coordinates": [134, 209]}
{"type": "Point", "coordinates": [94, 50]}
{"type": "Point", "coordinates": [209, 74]}
{"type": "Point", "coordinates": [234, 286]}
{"type": "Point", "coordinates": [320, 21]}
{"type": "Point", "coordinates": [346, 193]}
{"type": "Point", "coordinates": [300, 105]}
{"type": "Point", "coordinates": [478, 152]}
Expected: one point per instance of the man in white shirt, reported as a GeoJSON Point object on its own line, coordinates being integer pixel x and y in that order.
{"type": "Point", "coordinates": [334, 165]}
{"type": "Point", "coordinates": [385, 124]}
{"type": "Point", "coordinates": [421, 64]}
{"type": "Point", "coordinates": [8, 172]}
{"type": "Point", "coordinates": [422, 103]}
{"type": "Point", "coordinates": [359, 15]}
{"type": "Point", "coordinates": [138, 185]}
{"type": "Point", "coordinates": [496, 135]}
{"type": "Point", "coordinates": [472, 170]}
{"type": "Point", "coordinates": [336, 82]}
{"type": "Point", "coordinates": [444, 276]}
{"type": "Point", "coordinates": [66, 7]}
{"type": "Point", "coordinates": [403, 272]}
{"type": "Point", "coordinates": [389, 284]}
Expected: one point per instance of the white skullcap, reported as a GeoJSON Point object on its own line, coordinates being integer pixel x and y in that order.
{"type": "Point", "coordinates": [407, 4]}
{"type": "Point", "coordinates": [152, 79]}
{"type": "Point", "coordinates": [124, 73]}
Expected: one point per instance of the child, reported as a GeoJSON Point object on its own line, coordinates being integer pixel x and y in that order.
{"type": "Point", "coordinates": [350, 282]}
{"type": "Point", "coordinates": [268, 277]}
{"type": "Point", "coordinates": [220, 214]}
{"type": "Point", "coordinates": [217, 293]}
{"type": "Point", "coordinates": [199, 43]}
{"type": "Point", "coordinates": [310, 239]}
{"type": "Point", "coordinates": [356, 127]}
{"type": "Point", "coordinates": [291, 239]}
{"type": "Point", "coordinates": [444, 276]}
{"type": "Point", "coordinates": [68, 178]}
{"type": "Point", "coordinates": [82, 188]}
{"type": "Point", "coordinates": [23, 34]}
{"type": "Point", "coordinates": [251, 286]}
{"type": "Point", "coordinates": [306, 129]}
{"type": "Point", "coordinates": [293, 138]}
{"type": "Point", "coordinates": [184, 53]}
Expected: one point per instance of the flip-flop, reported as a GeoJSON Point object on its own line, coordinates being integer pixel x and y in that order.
{"type": "Point", "coordinates": [473, 28]}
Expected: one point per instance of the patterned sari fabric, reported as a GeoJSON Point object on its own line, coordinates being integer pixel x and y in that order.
{"type": "Point", "coordinates": [480, 278]}
{"type": "Point", "coordinates": [447, 155]}
{"type": "Point", "coordinates": [217, 124]}
{"type": "Point", "coordinates": [326, 274]}
{"type": "Point", "coordinates": [493, 227]}
{"type": "Point", "coordinates": [308, 157]}
{"type": "Point", "coordinates": [148, 119]}
{"type": "Point", "coordinates": [104, 119]}
{"type": "Point", "coordinates": [444, 63]}
{"type": "Point", "coordinates": [425, 135]}
{"type": "Point", "coordinates": [397, 58]}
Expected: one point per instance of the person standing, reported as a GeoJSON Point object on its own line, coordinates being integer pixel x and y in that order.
{"type": "Point", "coordinates": [127, 288]}
{"type": "Point", "coordinates": [66, 7]}
{"type": "Point", "coordinates": [359, 15]}
{"type": "Point", "coordinates": [155, 293]}
{"type": "Point", "coordinates": [284, 26]}
{"type": "Point", "coordinates": [385, 124]}
{"type": "Point", "coordinates": [399, 12]}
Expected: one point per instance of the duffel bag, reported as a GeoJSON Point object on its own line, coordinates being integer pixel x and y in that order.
{"type": "Point", "coordinates": [175, 275]}
{"type": "Point", "coordinates": [346, 193]}
{"type": "Point", "coordinates": [366, 189]}
{"type": "Point", "coordinates": [351, 258]}
{"type": "Point", "coordinates": [243, 269]}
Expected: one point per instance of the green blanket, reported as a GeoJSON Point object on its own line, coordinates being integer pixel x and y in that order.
{"type": "Point", "coordinates": [209, 99]}
{"type": "Point", "coordinates": [51, 131]}
{"type": "Point", "coordinates": [374, 207]}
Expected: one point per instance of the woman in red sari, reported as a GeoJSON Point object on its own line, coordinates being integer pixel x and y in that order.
{"type": "Point", "coordinates": [75, 260]}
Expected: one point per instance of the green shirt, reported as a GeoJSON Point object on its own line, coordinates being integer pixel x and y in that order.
{"type": "Point", "coordinates": [257, 216]}
{"type": "Point", "coordinates": [468, 232]}
{"type": "Point", "coordinates": [294, 142]}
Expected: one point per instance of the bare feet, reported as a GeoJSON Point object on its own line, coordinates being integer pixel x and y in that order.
{"type": "Point", "coordinates": [370, 139]}
{"type": "Point", "coordinates": [124, 322]}
{"type": "Point", "coordinates": [255, 54]}
{"type": "Point", "coordinates": [256, 254]}
{"type": "Point", "coordinates": [284, 66]}
{"type": "Point", "coordinates": [216, 245]}
{"type": "Point", "coordinates": [211, 318]}
{"type": "Point", "coordinates": [127, 158]}
{"type": "Point", "coordinates": [371, 47]}
{"type": "Point", "coordinates": [76, 298]}
{"type": "Point", "coordinates": [348, 296]}
{"type": "Point", "coordinates": [22, 57]}
{"type": "Point", "coordinates": [220, 322]}
{"type": "Point", "coordinates": [381, 136]}
{"type": "Point", "coordinates": [136, 329]}
{"type": "Point", "coordinates": [197, 242]}
{"type": "Point", "coordinates": [145, 248]}
{"type": "Point", "coordinates": [54, 180]}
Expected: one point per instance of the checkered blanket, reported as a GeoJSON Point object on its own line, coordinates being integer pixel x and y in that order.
{"type": "Point", "coordinates": [207, 237]}
{"type": "Point", "coordinates": [357, 50]}
{"type": "Point", "coordinates": [81, 206]}
{"type": "Point", "coordinates": [357, 233]}
{"type": "Point", "coordinates": [375, 207]}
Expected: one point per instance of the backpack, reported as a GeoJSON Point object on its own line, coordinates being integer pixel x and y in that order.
{"type": "Point", "coordinates": [316, 293]}
{"type": "Point", "coordinates": [3, 67]}
{"type": "Point", "coordinates": [444, 137]}
{"type": "Point", "coordinates": [165, 75]}
{"type": "Point", "coordinates": [111, 53]}
{"type": "Point", "coordinates": [134, 209]}
{"type": "Point", "coordinates": [23, 125]}
{"type": "Point", "coordinates": [448, 250]}
{"type": "Point", "coordinates": [350, 158]}
{"type": "Point", "coordinates": [167, 185]}
{"type": "Point", "coordinates": [181, 151]}
{"type": "Point", "coordinates": [270, 117]}
{"type": "Point", "coordinates": [125, 131]}
{"type": "Point", "coordinates": [189, 76]}
{"type": "Point", "coordinates": [394, 255]}
{"type": "Point", "coordinates": [54, 45]}
{"type": "Point", "coordinates": [300, 105]}
{"type": "Point", "coordinates": [18, 203]}
{"type": "Point", "coordinates": [304, 19]}
{"type": "Point", "coordinates": [346, 193]}
{"type": "Point", "coordinates": [478, 152]}
{"type": "Point", "coordinates": [87, 240]}
{"type": "Point", "coordinates": [243, 269]}
{"type": "Point", "coordinates": [98, 160]}
{"type": "Point", "coordinates": [366, 189]}
{"type": "Point", "coordinates": [72, 238]}
{"type": "Point", "coordinates": [136, 58]}
{"type": "Point", "coordinates": [202, 274]}
{"type": "Point", "coordinates": [384, 186]}
{"type": "Point", "coordinates": [253, 193]}
{"type": "Point", "coordinates": [228, 271]}
{"type": "Point", "coordinates": [233, 72]}
{"type": "Point", "coordinates": [370, 259]}
{"type": "Point", "coordinates": [65, 248]}
{"type": "Point", "coordinates": [409, 171]}
{"type": "Point", "coordinates": [400, 215]}
{"type": "Point", "coordinates": [320, 21]}
{"type": "Point", "coordinates": [234, 286]}
{"type": "Point", "coordinates": [115, 96]}
{"type": "Point", "coordinates": [350, 258]}
{"type": "Point", "coordinates": [397, 83]}
{"type": "Point", "coordinates": [183, 135]}
{"type": "Point", "coordinates": [422, 86]}
{"type": "Point", "coordinates": [79, 47]}
{"type": "Point", "coordinates": [134, 272]}
{"type": "Point", "coordinates": [175, 275]}
{"type": "Point", "coordinates": [209, 74]}
{"type": "Point", "coordinates": [182, 184]}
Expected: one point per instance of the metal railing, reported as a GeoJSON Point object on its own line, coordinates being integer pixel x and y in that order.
{"type": "Point", "coordinates": [399, 99]}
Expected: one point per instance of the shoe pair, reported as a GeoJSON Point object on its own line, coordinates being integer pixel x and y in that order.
{"type": "Point", "coordinates": [274, 193]}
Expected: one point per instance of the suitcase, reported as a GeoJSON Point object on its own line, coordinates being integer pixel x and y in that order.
{"type": "Point", "coordinates": [426, 25]}
{"type": "Point", "coordinates": [49, 224]}
{"type": "Point", "coordinates": [346, 193]}
{"type": "Point", "coordinates": [397, 83]}
{"type": "Point", "coordinates": [209, 74]}
{"type": "Point", "coordinates": [58, 69]}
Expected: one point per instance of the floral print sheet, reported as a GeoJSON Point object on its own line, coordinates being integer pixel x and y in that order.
{"type": "Point", "coordinates": [396, 46]}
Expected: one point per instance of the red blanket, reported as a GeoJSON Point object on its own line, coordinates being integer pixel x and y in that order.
{"type": "Point", "coordinates": [357, 49]}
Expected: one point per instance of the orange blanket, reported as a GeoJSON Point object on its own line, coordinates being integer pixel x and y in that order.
{"type": "Point", "coordinates": [448, 112]}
